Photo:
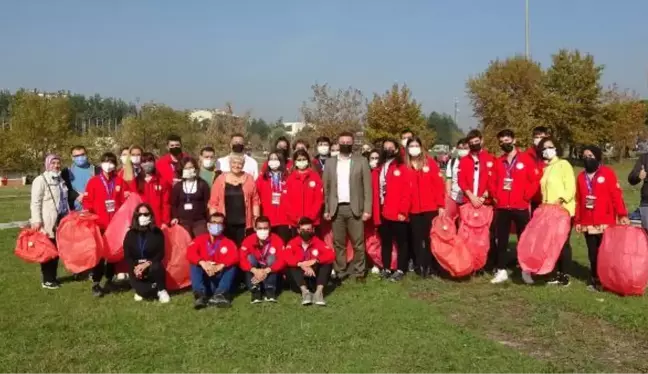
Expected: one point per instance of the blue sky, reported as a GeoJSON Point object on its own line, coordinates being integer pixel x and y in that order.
{"type": "Point", "coordinates": [263, 55]}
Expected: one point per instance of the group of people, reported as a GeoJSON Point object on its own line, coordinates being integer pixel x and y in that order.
{"type": "Point", "coordinates": [265, 225]}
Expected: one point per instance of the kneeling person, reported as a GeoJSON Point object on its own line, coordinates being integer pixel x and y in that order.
{"type": "Point", "coordinates": [310, 261]}
{"type": "Point", "coordinates": [261, 259]}
{"type": "Point", "coordinates": [213, 260]}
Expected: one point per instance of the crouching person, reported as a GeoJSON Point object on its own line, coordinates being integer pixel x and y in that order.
{"type": "Point", "coordinates": [261, 258]}
{"type": "Point", "coordinates": [310, 262]}
{"type": "Point", "coordinates": [213, 260]}
{"type": "Point", "coordinates": [143, 252]}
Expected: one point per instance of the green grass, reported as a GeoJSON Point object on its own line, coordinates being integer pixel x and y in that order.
{"type": "Point", "coordinates": [415, 326]}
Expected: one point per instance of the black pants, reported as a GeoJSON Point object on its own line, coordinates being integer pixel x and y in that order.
{"type": "Point", "coordinates": [322, 275]}
{"type": "Point", "coordinates": [235, 233]}
{"type": "Point", "coordinates": [49, 270]}
{"type": "Point", "coordinates": [284, 232]}
{"type": "Point", "coordinates": [504, 219]}
{"type": "Point", "coordinates": [565, 259]}
{"type": "Point", "coordinates": [152, 281]}
{"type": "Point", "coordinates": [420, 226]}
{"type": "Point", "coordinates": [101, 269]}
{"type": "Point", "coordinates": [390, 232]}
{"type": "Point", "coordinates": [593, 242]}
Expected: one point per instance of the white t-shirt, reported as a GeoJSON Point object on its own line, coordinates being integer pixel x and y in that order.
{"type": "Point", "coordinates": [476, 175]}
{"type": "Point", "coordinates": [251, 166]}
{"type": "Point", "coordinates": [452, 173]}
{"type": "Point", "coordinates": [344, 180]}
{"type": "Point", "coordinates": [383, 180]}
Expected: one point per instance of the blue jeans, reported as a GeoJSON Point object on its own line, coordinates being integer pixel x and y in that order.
{"type": "Point", "coordinates": [219, 284]}
{"type": "Point", "coordinates": [270, 283]}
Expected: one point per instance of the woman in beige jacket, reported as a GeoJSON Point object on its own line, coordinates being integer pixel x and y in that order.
{"type": "Point", "coordinates": [49, 203]}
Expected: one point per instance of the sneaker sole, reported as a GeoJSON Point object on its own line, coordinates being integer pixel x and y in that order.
{"type": "Point", "coordinates": [307, 303]}
{"type": "Point", "coordinates": [270, 300]}
{"type": "Point", "coordinates": [256, 302]}
{"type": "Point", "coordinates": [49, 287]}
{"type": "Point", "coordinates": [320, 304]}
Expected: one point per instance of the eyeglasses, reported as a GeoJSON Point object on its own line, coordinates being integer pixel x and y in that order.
{"type": "Point", "coordinates": [144, 215]}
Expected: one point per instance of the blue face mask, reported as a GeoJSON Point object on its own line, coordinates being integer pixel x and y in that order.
{"type": "Point", "coordinates": [215, 228]}
{"type": "Point", "coordinates": [80, 160]}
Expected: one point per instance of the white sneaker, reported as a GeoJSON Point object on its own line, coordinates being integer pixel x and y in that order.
{"type": "Point", "coordinates": [375, 270]}
{"type": "Point", "coordinates": [500, 277]}
{"type": "Point", "coordinates": [137, 297]}
{"type": "Point", "coordinates": [526, 277]}
{"type": "Point", "coordinates": [122, 277]}
{"type": "Point", "coordinates": [163, 297]}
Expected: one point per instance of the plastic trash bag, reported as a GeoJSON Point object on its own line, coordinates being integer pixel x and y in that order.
{"type": "Point", "coordinates": [623, 260]}
{"type": "Point", "coordinates": [79, 241]}
{"type": "Point", "coordinates": [118, 227]}
{"type": "Point", "coordinates": [543, 239]}
{"type": "Point", "coordinates": [176, 241]}
{"type": "Point", "coordinates": [449, 249]}
{"type": "Point", "coordinates": [373, 248]}
{"type": "Point", "coordinates": [35, 246]}
{"type": "Point", "coordinates": [475, 232]}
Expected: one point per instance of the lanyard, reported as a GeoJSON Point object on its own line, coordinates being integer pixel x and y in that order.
{"type": "Point", "coordinates": [211, 249]}
{"type": "Point", "coordinates": [276, 182]}
{"type": "Point", "coordinates": [509, 166]}
{"type": "Point", "coordinates": [265, 250]}
{"type": "Point", "coordinates": [141, 244]}
{"type": "Point", "coordinates": [589, 182]}
{"type": "Point", "coordinates": [187, 190]}
{"type": "Point", "coordinates": [321, 161]}
{"type": "Point", "coordinates": [109, 186]}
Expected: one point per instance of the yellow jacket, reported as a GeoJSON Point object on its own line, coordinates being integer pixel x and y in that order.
{"type": "Point", "coordinates": [558, 182]}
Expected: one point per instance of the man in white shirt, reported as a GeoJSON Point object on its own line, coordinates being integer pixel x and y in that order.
{"type": "Point", "coordinates": [347, 203]}
{"type": "Point", "coordinates": [237, 144]}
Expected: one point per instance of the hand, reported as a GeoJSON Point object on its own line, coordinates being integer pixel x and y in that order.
{"type": "Point", "coordinates": [306, 263]}
{"type": "Point", "coordinates": [127, 194]}
{"type": "Point", "coordinates": [366, 217]}
{"type": "Point", "coordinates": [642, 173]}
{"type": "Point", "coordinates": [219, 268]}
{"type": "Point", "coordinates": [80, 198]}
{"type": "Point", "coordinates": [579, 228]}
{"type": "Point", "coordinates": [308, 271]}
{"type": "Point", "coordinates": [209, 268]}
{"type": "Point", "coordinates": [624, 221]}
{"type": "Point", "coordinates": [401, 217]}
{"type": "Point", "coordinates": [327, 216]}
{"type": "Point", "coordinates": [442, 212]}
{"type": "Point", "coordinates": [476, 202]}
{"type": "Point", "coordinates": [174, 222]}
{"type": "Point", "coordinates": [37, 226]}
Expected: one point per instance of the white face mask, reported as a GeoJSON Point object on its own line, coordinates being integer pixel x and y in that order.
{"type": "Point", "coordinates": [536, 141]}
{"type": "Point", "coordinates": [373, 163]}
{"type": "Point", "coordinates": [263, 234]}
{"type": "Point", "coordinates": [208, 163]}
{"type": "Point", "coordinates": [301, 165]}
{"type": "Point", "coordinates": [274, 164]}
{"type": "Point", "coordinates": [463, 152]}
{"type": "Point", "coordinates": [549, 153]}
{"type": "Point", "coordinates": [323, 150]}
{"type": "Point", "coordinates": [123, 159]}
{"type": "Point", "coordinates": [188, 173]}
{"type": "Point", "coordinates": [54, 173]}
{"type": "Point", "coordinates": [144, 220]}
{"type": "Point", "coordinates": [107, 167]}
{"type": "Point", "coordinates": [414, 151]}
{"type": "Point", "coordinates": [335, 153]}
{"type": "Point", "coordinates": [136, 160]}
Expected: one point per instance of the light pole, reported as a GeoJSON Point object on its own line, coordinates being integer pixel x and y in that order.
{"type": "Point", "coordinates": [456, 109]}
{"type": "Point", "coordinates": [526, 29]}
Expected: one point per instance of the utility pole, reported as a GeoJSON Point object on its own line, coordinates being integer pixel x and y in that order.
{"type": "Point", "coordinates": [456, 109]}
{"type": "Point", "coordinates": [526, 29]}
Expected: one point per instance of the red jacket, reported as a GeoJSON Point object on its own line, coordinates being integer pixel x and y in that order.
{"type": "Point", "coordinates": [97, 193]}
{"type": "Point", "coordinates": [166, 168]}
{"type": "Point", "coordinates": [223, 251]}
{"type": "Point", "coordinates": [525, 182]}
{"type": "Point", "coordinates": [608, 204]}
{"type": "Point", "coordinates": [252, 247]}
{"type": "Point", "coordinates": [276, 213]}
{"type": "Point", "coordinates": [428, 188]}
{"type": "Point", "coordinates": [398, 192]}
{"type": "Point", "coordinates": [157, 194]}
{"type": "Point", "coordinates": [467, 171]}
{"type": "Point", "coordinates": [317, 250]}
{"type": "Point", "coordinates": [540, 164]}
{"type": "Point", "coordinates": [305, 196]}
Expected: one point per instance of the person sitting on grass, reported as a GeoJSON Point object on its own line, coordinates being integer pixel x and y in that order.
{"type": "Point", "coordinates": [144, 251]}
{"type": "Point", "coordinates": [213, 260]}
{"type": "Point", "coordinates": [310, 262]}
{"type": "Point", "coordinates": [261, 258]}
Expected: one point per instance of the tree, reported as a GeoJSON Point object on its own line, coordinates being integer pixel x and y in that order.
{"type": "Point", "coordinates": [332, 112]}
{"type": "Point", "coordinates": [221, 127]}
{"type": "Point", "coordinates": [259, 127]}
{"type": "Point", "coordinates": [445, 127]}
{"type": "Point", "coordinates": [508, 95]}
{"type": "Point", "coordinates": [393, 112]}
{"type": "Point", "coordinates": [624, 119]}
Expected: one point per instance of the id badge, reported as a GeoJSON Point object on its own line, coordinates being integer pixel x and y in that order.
{"type": "Point", "coordinates": [188, 206]}
{"type": "Point", "coordinates": [141, 261]}
{"type": "Point", "coordinates": [508, 184]}
{"type": "Point", "coordinates": [110, 206]}
{"type": "Point", "coordinates": [590, 201]}
{"type": "Point", "coordinates": [276, 197]}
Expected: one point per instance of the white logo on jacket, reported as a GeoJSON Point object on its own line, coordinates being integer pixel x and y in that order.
{"type": "Point", "coordinates": [223, 250]}
{"type": "Point", "coordinates": [315, 252]}
{"type": "Point", "coordinates": [426, 169]}
{"type": "Point", "coordinates": [396, 173]}
{"type": "Point", "coordinates": [489, 164]}
{"type": "Point", "coordinates": [312, 184]}
{"type": "Point", "coordinates": [519, 166]}
{"type": "Point", "coordinates": [601, 179]}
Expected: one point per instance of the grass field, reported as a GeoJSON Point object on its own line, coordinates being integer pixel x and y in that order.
{"type": "Point", "coordinates": [414, 326]}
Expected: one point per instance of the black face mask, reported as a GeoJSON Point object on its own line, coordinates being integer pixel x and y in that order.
{"type": "Point", "coordinates": [591, 164]}
{"type": "Point", "coordinates": [306, 235]}
{"type": "Point", "coordinates": [475, 147]}
{"type": "Point", "coordinates": [346, 149]}
{"type": "Point", "coordinates": [506, 147]}
{"type": "Point", "coordinates": [238, 148]}
{"type": "Point", "coordinates": [283, 152]}
{"type": "Point", "coordinates": [177, 151]}
{"type": "Point", "coordinates": [388, 154]}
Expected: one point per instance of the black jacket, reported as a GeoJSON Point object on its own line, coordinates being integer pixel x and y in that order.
{"type": "Point", "coordinates": [633, 177]}
{"type": "Point", "coordinates": [153, 246]}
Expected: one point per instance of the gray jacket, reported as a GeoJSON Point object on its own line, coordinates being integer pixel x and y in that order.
{"type": "Point", "coordinates": [45, 202]}
{"type": "Point", "coordinates": [360, 186]}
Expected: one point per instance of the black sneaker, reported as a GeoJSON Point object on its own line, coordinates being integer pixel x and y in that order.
{"type": "Point", "coordinates": [256, 296]}
{"type": "Point", "coordinates": [200, 302]}
{"type": "Point", "coordinates": [397, 276]}
{"type": "Point", "coordinates": [97, 291]}
{"type": "Point", "coordinates": [109, 287]}
{"type": "Point", "coordinates": [559, 280]}
{"type": "Point", "coordinates": [50, 285]}
{"type": "Point", "coordinates": [594, 285]}
{"type": "Point", "coordinates": [220, 301]}
{"type": "Point", "coordinates": [270, 295]}
{"type": "Point", "coordinates": [411, 267]}
{"type": "Point", "coordinates": [385, 274]}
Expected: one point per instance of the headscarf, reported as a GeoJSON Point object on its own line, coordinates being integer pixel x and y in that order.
{"type": "Point", "coordinates": [596, 151]}
{"type": "Point", "coordinates": [48, 160]}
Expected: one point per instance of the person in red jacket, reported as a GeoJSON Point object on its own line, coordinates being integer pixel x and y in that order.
{"type": "Point", "coordinates": [304, 190]}
{"type": "Point", "coordinates": [599, 204]}
{"type": "Point", "coordinates": [392, 185]}
{"type": "Point", "coordinates": [516, 183]}
{"type": "Point", "coordinates": [271, 187]}
{"type": "Point", "coordinates": [261, 258]}
{"type": "Point", "coordinates": [153, 191]}
{"type": "Point", "coordinates": [282, 147]}
{"type": "Point", "coordinates": [167, 166]}
{"type": "Point", "coordinates": [213, 259]}
{"type": "Point", "coordinates": [309, 258]}
{"type": "Point", "coordinates": [428, 201]}
{"type": "Point", "coordinates": [539, 133]}
{"type": "Point", "coordinates": [104, 195]}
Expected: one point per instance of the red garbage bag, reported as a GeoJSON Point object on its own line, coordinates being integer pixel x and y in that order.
{"type": "Point", "coordinates": [79, 241]}
{"type": "Point", "coordinates": [373, 248]}
{"type": "Point", "coordinates": [118, 227]}
{"type": "Point", "coordinates": [475, 232]}
{"type": "Point", "coordinates": [623, 260]}
{"type": "Point", "coordinates": [449, 249]}
{"type": "Point", "coordinates": [543, 239]}
{"type": "Point", "coordinates": [452, 208]}
{"type": "Point", "coordinates": [35, 246]}
{"type": "Point", "coordinates": [176, 241]}
{"type": "Point", "coordinates": [327, 233]}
